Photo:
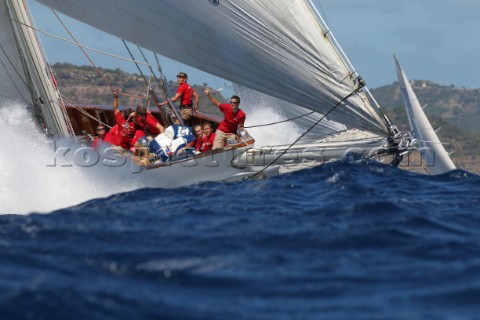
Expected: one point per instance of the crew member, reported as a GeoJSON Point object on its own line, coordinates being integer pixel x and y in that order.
{"type": "Point", "coordinates": [234, 119]}
{"type": "Point", "coordinates": [188, 98]}
{"type": "Point", "coordinates": [208, 137]}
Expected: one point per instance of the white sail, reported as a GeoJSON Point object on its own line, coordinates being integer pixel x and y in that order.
{"type": "Point", "coordinates": [438, 160]}
{"type": "Point", "coordinates": [275, 47]}
{"type": "Point", "coordinates": [13, 85]}
{"type": "Point", "coordinates": [24, 75]}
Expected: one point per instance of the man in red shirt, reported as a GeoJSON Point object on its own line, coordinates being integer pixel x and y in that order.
{"type": "Point", "coordinates": [126, 128]}
{"type": "Point", "coordinates": [198, 132]}
{"type": "Point", "coordinates": [100, 138]}
{"type": "Point", "coordinates": [110, 136]}
{"type": "Point", "coordinates": [187, 96]}
{"type": "Point", "coordinates": [148, 122]}
{"type": "Point", "coordinates": [197, 142]}
{"type": "Point", "coordinates": [234, 119]}
{"type": "Point", "coordinates": [208, 137]}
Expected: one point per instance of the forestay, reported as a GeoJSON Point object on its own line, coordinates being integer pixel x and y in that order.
{"type": "Point", "coordinates": [275, 47]}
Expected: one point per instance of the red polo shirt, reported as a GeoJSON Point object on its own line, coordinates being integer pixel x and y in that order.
{"type": "Point", "coordinates": [207, 143]}
{"type": "Point", "coordinates": [231, 121]}
{"type": "Point", "coordinates": [186, 94]}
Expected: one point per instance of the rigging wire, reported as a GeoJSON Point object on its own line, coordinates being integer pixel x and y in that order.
{"type": "Point", "coordinates": [152, 73]}
{"type": "Point", "coordinates": [86, 55]}
{"type": "Point", "coordinates": [11, 63]}
{"type": "Point", "coordinates": [172, 108]}
{"type": "Point", "coordinates": [97, 69]}
{"type": "Point", "coordinates": [304, 134]}
{"type": "Point", "coordinates": [272, 123]}
{"type": "Point", "coordinates": [147, 83]}
{"type": "Point", "coordinates": [99, 72]}
{"type": "Point", "coordinates": [84, 112]}
{"type": "Point", "coordinates": [10, 76]}
{"type": "Point", "coordinates": [73, 43]}
{"type": "Point", "coordinates": [136, 64]}
{"type": "Point", "coordinates": [163, 78]}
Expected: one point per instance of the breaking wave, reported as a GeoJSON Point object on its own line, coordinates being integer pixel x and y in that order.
{"type": "Point", "coordinates": [32, 179]}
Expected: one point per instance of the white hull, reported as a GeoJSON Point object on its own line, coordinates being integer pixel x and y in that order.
{"type": "Point", "coordinates": [243, 163]}
{"type": "Point", "coordinates": [320, 152]}
{"type": "Point", "coordinates": [215, 166]}
{"type": "Point", "coordinates": [238, 163]}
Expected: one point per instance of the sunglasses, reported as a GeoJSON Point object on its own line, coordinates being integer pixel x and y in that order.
{"type": "Point", "coordinates": [234, 102]}
{"type": "Point", "coordinates": [101, 129]}
{"type": "Point", "coordinates": [183, 77]}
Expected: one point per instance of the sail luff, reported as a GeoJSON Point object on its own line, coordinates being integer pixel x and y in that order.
{"type": "Point", "coordinates": [438, 159]}
{"type": "Point", "coordinates": [277, 48]}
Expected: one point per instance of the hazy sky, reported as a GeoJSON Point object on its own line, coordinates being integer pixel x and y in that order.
{"type": "Point", "coordinates": [436, 40]}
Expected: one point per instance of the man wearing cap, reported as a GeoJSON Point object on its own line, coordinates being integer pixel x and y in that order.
{"type": "Point", "coordinates": [232, 122]}
{"type": "Point", "coordinates": [186, 94]}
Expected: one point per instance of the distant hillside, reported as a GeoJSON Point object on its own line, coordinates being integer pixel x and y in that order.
{"type": "Point", "coordinates": [83, 85]}
{"type": "Point", "coordinates": [455, 111]}
{"type": "Point", "coordinates": [459, 107]}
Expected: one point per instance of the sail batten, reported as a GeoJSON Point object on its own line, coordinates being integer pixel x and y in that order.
{"type": "Point", "coordinates": [275, 47]}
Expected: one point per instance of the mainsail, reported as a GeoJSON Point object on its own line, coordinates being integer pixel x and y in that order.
{"type": "Point", "coordinates": [24, 75]}
{"type": "Point", "coordinates": [275, 47]}
{"type": "Point", "coordinates": [438, 160]}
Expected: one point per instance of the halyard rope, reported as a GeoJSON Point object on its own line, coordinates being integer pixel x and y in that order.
{"type": "Point", "coordinates": [272, 123]}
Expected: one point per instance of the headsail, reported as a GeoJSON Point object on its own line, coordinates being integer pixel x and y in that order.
{"type": "Point", "coordinates": [432, 149]}
{"type": "Point", "coordinates": [13, 83]}
{"type": "Point", "coordinates": [24, 75]}
{"type": "Point", "coordinates": [275, 47]}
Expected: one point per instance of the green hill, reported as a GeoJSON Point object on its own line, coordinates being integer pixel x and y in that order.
{"type": "Point", "coordinates": [458, 106]}
{"type": "Point", "coordinates": [83, 85]}
{"type": "Point", "coordinates": [454, 111]}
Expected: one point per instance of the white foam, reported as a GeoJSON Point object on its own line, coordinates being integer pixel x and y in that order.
{"type": "Point", "coordinates": [266, 111]}
{"type": "Point", "coordinates": [278, 134]}
{"type": "Point", "coordinates": [262, 110]}
{"type": "Point", "coordinates": [29, 184]}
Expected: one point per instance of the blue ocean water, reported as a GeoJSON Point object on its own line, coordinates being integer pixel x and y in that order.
{"type": "Point", "coordinates": [339, 241]}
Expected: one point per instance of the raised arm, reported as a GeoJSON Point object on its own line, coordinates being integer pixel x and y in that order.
{"type": "Point", "coordinates": [212, 99]}
{"type": "Point", "coordinates": [196, 98]}
{"type": "Point", "coordinates": [115, 102]}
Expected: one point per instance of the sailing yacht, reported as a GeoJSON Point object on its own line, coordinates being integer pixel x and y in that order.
{"type": "Point", "coordinates": [282, 49]}
{"type": "Point", "coordinates": [437, 159]}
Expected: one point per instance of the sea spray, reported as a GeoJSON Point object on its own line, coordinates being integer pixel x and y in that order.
{"type": "Point", "coordinates": [35, 179]}
{"type": "Point", "coordinates": [277, 122]}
